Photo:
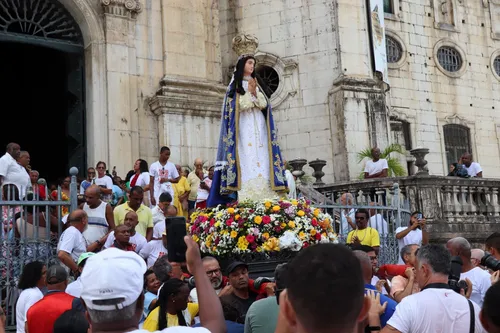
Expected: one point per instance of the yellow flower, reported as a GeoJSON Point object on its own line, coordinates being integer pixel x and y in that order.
{"type": "Point", "coordinates": [237, 217]}
{"type": "Point", "coordinates": [294, 202]}
{"type": "Point", "coordinates": [242, 243]}
{"type": "Point", "coordinates": [276, 208]}
{"type": "Point", "coordinates": [234, 234]}
{"type": "Point", "coordinates": [230, 210]}
{"type": "Point", "coordinates": [258, 249]}
{"type": "Point", "coordinates": [265, 235]}
{"type": "Point", "coordinates": [214, 248]}
{"type": "Point", "coordinates": [267, 204]}
{"type": "Point", "coordinates": [217, 224]}
{"type": "Point", "coordinates": [272, 244]}
{"type": "Point", "coordinates": [316, 212]}
{"type": "Point", "coordinates": [208, 243]}
{"type": "Point", "coordinates": [324, 234]}
{"type": "Point", "coordinates": [257, 219]}
{"type": "Point", "coordinates": [283, 225]}
{"type": "Point", "coordinates": [291, 224]}
{"type": "Point", "coordinates": [224, 232]}
{"type": "Point", "coordinates": [302, 235]}
{"type": "Point", "coordinates": [196, 238]}
{"type": "Point", "coordinates": [301, 213]}
{"type": "Point", "coordinates": [313, 232]}
{"type": "Point", "coordinates": [219, 215]}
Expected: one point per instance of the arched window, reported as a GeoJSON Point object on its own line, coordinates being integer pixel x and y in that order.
{"type": "Point", "coordinates": [456, 142]}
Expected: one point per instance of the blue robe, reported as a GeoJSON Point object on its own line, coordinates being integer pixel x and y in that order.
{"type": "Point", "coordinates": [227, 176]}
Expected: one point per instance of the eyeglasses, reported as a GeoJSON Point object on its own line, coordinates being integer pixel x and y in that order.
{"type": "Point", "coordinates": [373, 258]}
{"type": "Point", "coordinates": [213, 272]}
{"type": "Point", "coordinates": [100, 167]}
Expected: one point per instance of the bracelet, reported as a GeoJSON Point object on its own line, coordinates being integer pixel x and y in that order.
{"type": "Point", "coordinates": [373, 328]}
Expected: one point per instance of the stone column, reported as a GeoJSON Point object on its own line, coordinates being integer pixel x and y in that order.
{"type": "Point", "coordinates": [189, 100]}
{"type": "Point", "coordinates": [358, 113]}
{"type": "Point", "coordinates": [119, 22]}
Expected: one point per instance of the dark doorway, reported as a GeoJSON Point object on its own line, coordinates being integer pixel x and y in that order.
{"type": "Point", "coordinates": [39, 110]}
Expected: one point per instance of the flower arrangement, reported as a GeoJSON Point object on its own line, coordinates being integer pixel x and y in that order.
{"type": "Point", "coordinates": [260, 227]}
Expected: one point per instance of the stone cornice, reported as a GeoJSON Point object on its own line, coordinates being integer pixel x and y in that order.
{"type": "Point", "coordinates": [124, 8]}
{"type": "Point", "coordinates": [186, 97]}
{"type": "Point", "coordinates": [357, 84]}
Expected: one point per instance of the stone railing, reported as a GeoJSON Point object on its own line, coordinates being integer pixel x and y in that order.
{"type": "Point", "coordinates": [452, 206]}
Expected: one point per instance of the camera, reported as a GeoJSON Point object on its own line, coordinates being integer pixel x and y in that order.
{"type": "Point", "coordinates": [454, 277]}
{"type": "Point", "coordinates": [490, 262]}
{"type": "Point", "coordinates": [191, 283]}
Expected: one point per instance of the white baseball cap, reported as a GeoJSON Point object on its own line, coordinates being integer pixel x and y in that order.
{"type": "Point", "coordinates": [114, 276]}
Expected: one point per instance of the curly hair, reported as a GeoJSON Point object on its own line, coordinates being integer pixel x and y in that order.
{"type": "Point", "coordinates": [32, 273]}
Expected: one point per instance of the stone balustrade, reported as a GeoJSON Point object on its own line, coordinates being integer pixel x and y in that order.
{"type": "Point", "coordinates": [453, 206]}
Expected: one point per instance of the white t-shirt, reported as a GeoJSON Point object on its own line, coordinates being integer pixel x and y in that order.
{"type": "Point", "coordinates": [138, 241]}
{"type": "Point", "coordinates": [27, 298]}
{"type": "Point", "coordinates": [413, 237]}
{"type": "Point", "coordinates": [159, 229]}
{"type": "Point", "coordinates": [177, 329]}
{"type": "Point", "coordinates": [343, 219]}
{"type": "Point", "coordinates": [142, 180]}
{"type": "Point", "coordinates": [435, 310]}
{"type": "Point", "coordinates": [106, 182]}
{"type": "Point", "coordinates": [376, 167]}
{"type": "Point", "coordinates": [481, 282]}
{"type": "Point", "coordinates": [72, 242]}
{"type": "Point", "coordinates": [167, 171]}
{"type": "Point", "coordinates": [152, 251]}
{"type": "Point", "coordinates": [13, 173]}
{"type": "Point", "coordinates": [378, 222]}
{"type": "Point", "coordinates": [75, 288]}
{"type": "Point", "coordinates": [158, 216]}
{"type": "Point", "coordinates": [374, 281]}
{"type": "Point", "coordinates": [473, 169]}
{"type": "Point", "coordinates": [193, 294]}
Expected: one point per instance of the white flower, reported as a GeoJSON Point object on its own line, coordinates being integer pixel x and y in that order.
{"type": "Point", "coordinates": [290, 241]}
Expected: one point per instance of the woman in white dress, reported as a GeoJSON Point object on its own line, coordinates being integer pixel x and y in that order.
{"type": "Point", "coordinates": [248, 159]}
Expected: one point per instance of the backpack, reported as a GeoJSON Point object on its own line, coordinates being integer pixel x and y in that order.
{"type": "Point", "coordinates": [461, 171]}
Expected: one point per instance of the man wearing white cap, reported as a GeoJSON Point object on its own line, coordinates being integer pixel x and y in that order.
{"type": "Point", "coordinates": [118, 307]}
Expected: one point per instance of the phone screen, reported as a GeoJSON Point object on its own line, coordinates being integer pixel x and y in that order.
{"type": "Point", "coordinates": [176, 230]}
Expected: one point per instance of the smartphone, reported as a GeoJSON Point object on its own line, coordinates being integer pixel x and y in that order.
{"type": "Point", "coordinates": [176, 230]}
{"type": "Point", "coordinates": [419, 216]}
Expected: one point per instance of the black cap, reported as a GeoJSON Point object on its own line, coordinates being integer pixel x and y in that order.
{"type": "Point", "coordinates": [56, 274]}
{"type": "Point", "coordinates": [235, 264]}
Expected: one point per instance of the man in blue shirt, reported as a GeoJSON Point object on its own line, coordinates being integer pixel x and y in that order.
{"type": "Point", "coordinates": [367, 270]}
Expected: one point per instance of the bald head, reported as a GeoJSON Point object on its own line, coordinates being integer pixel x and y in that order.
{"type": "Point", "coordinates": [77, 216]}
{"type": "Point", "coordinates": [131, 220]}
{"type": "Point", "coordinates": [467, 159]}
{"type": "Point", "coordinates": [346, 199]}
{"type": "Point", "coordinates": [93, 190]}
{"type": "Point", "coordinates": [198, 164]}
{"type": "Point", "coordinates": [171, 210]}
{"type": "Point", "coordinates": [459, 246]}
{"type": "Point", "coordinates": [366, 265]}
{"type": "Point", "coordinates": [476, 256]}
{"type": "Point", "coordinates": [93, 196]}
{"type": "Point", "coordinates": [13, 149]}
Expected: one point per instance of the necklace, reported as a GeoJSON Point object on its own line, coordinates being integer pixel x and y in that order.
{"type": "Point", "coordinates": [247, 78]}
{"type": "Point", "coordinates": [356, 234]}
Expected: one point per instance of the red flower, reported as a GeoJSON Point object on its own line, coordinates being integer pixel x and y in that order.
{"type": "Point", "coordinates": [305, 244]}
{"type": "Point", "coordinates": [277, 229]}
{"type": "Point", "coordinates": [266, 219]}
{"type": "Point", "coordinates": [250, 238]}
{"type": "Point", "coordinates": [318, 236]}
{"type": "Point", "coordinates": [314, 222]}
{"type": "Point", "coordinates": [229, 222]}
{"type": "Point", "coordinates": [212, 222]}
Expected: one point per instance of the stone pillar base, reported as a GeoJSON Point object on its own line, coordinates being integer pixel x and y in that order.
{"type": "Point", "coordinates": [189, 114]}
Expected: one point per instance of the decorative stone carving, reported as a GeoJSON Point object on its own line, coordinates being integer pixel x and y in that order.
{"type": "Point", "coordinates": [297, 166]}
{"type": "Point", "coordinates": [318, 173]}
{"type": "Point", "coordinates": [181, 96]}
{"type": "Point", "coordinates": [125, 8]}
{"type": "Point", "coordinates": [420, 162]}
{"type": "Point", "coordinates": [445, 15]}
{"type": "Point", "coordinates": [288, 75]}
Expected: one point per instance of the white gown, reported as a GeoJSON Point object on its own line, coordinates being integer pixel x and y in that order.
{"type": "Point", "coordinates": [253, 148]}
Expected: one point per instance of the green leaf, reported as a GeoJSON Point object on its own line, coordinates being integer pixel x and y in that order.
{"type": "Point", "coordinates": [396, 169]}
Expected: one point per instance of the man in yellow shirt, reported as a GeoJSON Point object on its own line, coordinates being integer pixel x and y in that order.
{"type": "Point", "coordinates": [145, 226]}
{"type": "Point", "coordinates": [363, 234]}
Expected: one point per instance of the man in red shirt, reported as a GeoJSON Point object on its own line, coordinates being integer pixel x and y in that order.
{"type": "Point", "coordinates": [42, 315]}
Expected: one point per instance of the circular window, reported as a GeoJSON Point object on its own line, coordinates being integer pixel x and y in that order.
{"type": "Point", "coordinates": [450, 59]}
{"type": "Point", "coordinates": [270, 76]}
{"type": "Point", "coordinates": [496, 65]}
{"type": "Point", "coordinates": [393, 50]}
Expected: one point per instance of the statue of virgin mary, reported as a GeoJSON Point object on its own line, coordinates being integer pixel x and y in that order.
{"type": "Point", "coordinates": [248, 156]}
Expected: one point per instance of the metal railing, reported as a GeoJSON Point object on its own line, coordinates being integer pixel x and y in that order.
{"type": "Point", "coordinates": [388, 211]}
{"type": "Point", "coordinates": [31, 223]}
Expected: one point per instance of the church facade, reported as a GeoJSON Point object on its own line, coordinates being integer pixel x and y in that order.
{"type": "Point", "coordinates": [155, 73]}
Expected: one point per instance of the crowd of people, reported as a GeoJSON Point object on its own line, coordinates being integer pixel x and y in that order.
{"type": "Point", "coordinates": [113, 273]}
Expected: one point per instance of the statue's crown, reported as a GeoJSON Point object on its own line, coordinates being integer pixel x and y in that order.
{"type": "Point", "coordinates": [245, 45]}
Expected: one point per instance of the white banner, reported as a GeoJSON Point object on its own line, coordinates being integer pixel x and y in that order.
{"type": "Point", "coordinates": [376, 20]}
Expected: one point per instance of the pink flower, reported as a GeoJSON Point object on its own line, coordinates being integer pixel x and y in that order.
{"type": "Point", "coordinates": [250, 238]}
{"type": "Point", "coordinates": [212, 222]}
{"type": "Point", "coordinates": [266, 219]}
{"type": "Point", "coordinates": [229, 222]}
